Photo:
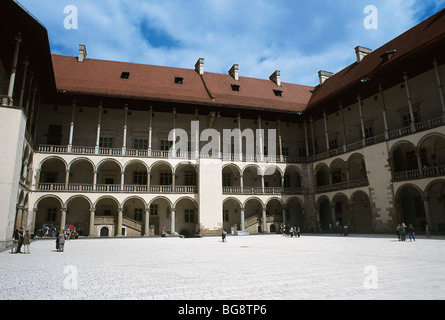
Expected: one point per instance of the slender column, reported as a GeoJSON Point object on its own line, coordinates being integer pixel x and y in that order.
{"type": "Point", "coordinates": [22, 90]}
{"type": "Point", "coordinates": [410, 103]}
{"type": "Point", "coordinates": [264, 221]}
{"type": "Point", "coordinates": [385, 121]}
{"type": "Point", "coordinates": [241, 183]}
{"type": "Point", "coordinates": [362, 123]}
{"type": "Point", "coordinates": [440, 85]}
{"type": "Point", "coordinates": [306, 140]}
{"type": "Point", "coordinates": [63, 219]}
{"type": "Point", "coordinates": [419, 161]}
{"type": "Point", "coordinates": [173, 222]}
{"type": "Point", "coordinates": [426, 204]}
{"type": "Point", "coordinates": [18, 217]}
{"type": "Point", "coordinates": [122, 180]}
{"type": "Point", "coordinates": [70, 143]}
{"type": "Point", "coordinates": [28, 99]}
{"type": "Point", "coordinates": [262, 184]}
{"type": "Point", "coordinates": [91, 232]}
{"type": "Point", "coordinates": [94, 180]}
{"type": "Point", "coordinates": [173, 155]}
{"type": "Point", "coordinates": [343, 127]}
{"type": "Point", "coordinates": [33, 103]}
{"type": "Point", "coordinates": [284, 215]}
{"type": "Point", "coordinates": [119, 222]}
{"type": "Point", "coordinates": [196, 133]}
{"type": "Point", "coordinates": [280, 142]}
{"type": "Point", "coordinates": [326, 133]}
{"type": "Point", "coordinates": [242, 218]}
{"type": "Point", "coordinates": [261, 142]}
{"type": "Point", "coordinates": [18, 40]}
{"type": "Point", "coordinates": [240, 139]}
{"type": "Point", "coordinates": [219, 137]}
{"type": "Point", "coordinates": [67, 179]}
{"type": "Point", "coordinates": [150, 131]}
{"type": "Point", "coordinates": [147, 222]}
{"type": "Point", "coordinates": [313, 137]}
{"type": "Point", "coordinates": [124, 141]}
{"type": "Point", "coordinates": [98, 128]}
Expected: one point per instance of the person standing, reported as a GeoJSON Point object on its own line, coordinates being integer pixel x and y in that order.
{"type": "Point", "coordinates": [224, 235]}
{"type": "Point", "coordinates": [411, 232]}
{"type": "Point", "coordinates": [20, 240]}
{"type": "Point", "coordinates": [26, 242]}
{"type": "Point", "coordinates": [428, 231]}
{"type": "Point", "coordinates": [61, 238]}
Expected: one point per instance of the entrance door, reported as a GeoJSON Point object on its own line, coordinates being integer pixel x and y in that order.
{"type": "Point", "coordinates": [104, 232]}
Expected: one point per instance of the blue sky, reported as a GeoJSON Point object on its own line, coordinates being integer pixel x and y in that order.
{"type": "Point", "coordinates": [299, 38]}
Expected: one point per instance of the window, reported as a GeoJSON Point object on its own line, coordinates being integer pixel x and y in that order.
{"type": "Point", "coordinates": [227, 180]}
{"type": "Point", "coordinates": [369, 132]}
{"type": "Point", "coordinates": [153, 209]}
{"type": "Point", "coordinates": [165, 178]}
{"type": "Point", "coordinates": [140, 178]}
{"type": "Point", "coordinates": [285, 151]}
{"type": "Point", "coordinates": [140, 144]}
{"type": "Point", "coordinates": [125, 75]}
{"type": "Point", "coordinates": [226, 215]}
{"type": "Point", "coordinates": [138, 214]}
{"type": "Point", "coordinates": [333, 144]}
{"type": "Point", "coordinates": [406, 119]}
{"type": "Point", "coordinates": [336, 176]}
{"type": "Point", "coordinates": [106, 142]}
{"type": "Point", "coordinates": [188, 215]}
{"type": "Point", "coordinates": [51, 216]}
{"type": "Point", "coordinates": [54, 136]}
{"type": "Point", "coordinates": [179, 80]}
{"type": "Point", "coordinates": [166, 145]}
{"type": "Point", "coordinates": [235, 87]}
{"type": "Point", "coordinates": [301, 152]}
{"type": "Point", "coordinates": [190, 179]}
{"type": "Point", "coordinates": [278, 93]}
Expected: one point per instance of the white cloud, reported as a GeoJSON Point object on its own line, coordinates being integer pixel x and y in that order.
{"type": "Point", "coordinates": [297, 37]}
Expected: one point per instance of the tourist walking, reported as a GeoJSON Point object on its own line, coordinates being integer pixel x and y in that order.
{"type": "Point", "coordinates": [224, 235]}
{"type": "Point", "coordinates": [20, 240]}
{"type": "Point", "coordinates": [411, 232]}
{"type": "Point", "coordinates": [26, 242]}
{"type": "Point", "coordinates": [428, 231]}
{"type": "Point", "coordinates": [61, 238]}
{"type": "Point", "coordinates": [403, 232]}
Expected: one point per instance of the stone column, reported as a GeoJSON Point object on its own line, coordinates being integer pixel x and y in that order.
{"type": "Point", "coordinates": [124, 141]}
{"type": "Point", "coordinates": [98, 129]}
{"type": "Point", "coordinates": [410, 103]}
{"type": "Point", "coordinates": [261, 142]}
{"type": "Point", "coordinates": [264, 221]}
{"type": "Point", "coordinates": [70, 143]}
{"type": "Point", "coordinates": [280, 142]}
{"type": "Point", "coordinates": [119, 222]}
{"type": "Point", "coordinates": [150, 131]}
{"type": "Point", "coordinates": [173, 222]}
{"type": "Point", "coordinates": [306, 140]}
{"type": "Point", "coordinates": [385, 121]}
{"type": "Point", "coordinates": [91, 232]}
{"type": "Point", "coordinates": [240, 141]}
{"type": "Point", "coordinates": [362, 124]}
{"type": "Point", "coordinates": [440, 85]}
{"type": "Point", "coordinates": [18, 40]}
{"type": "Point", "coordinates": [63, 219]}
{"type": "Point", "coordinates": [22, 90]}
{"type": "Point", "coordinates": [326, 133]}
{"type": "Point", "coordinates": [147, 223]}
{"type": "Point", "coordinates": [242, 219]}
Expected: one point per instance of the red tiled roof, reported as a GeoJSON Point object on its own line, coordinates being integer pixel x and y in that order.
{"type": "Point", "coordinates": [148, 82]}
{"type": "Point", "coordinates": [407, 46]}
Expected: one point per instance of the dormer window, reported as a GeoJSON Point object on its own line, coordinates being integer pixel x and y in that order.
{"type": "Point", "coordinates": [235, 87]}
{"type": "Point", "coordinates": [278, 93]}
{"type": "Point", "coordinates": [179, 80]}
{"type": "Point", "coordinates": [125, 75]}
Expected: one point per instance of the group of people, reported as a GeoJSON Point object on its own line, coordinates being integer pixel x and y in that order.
{"type": "Point", "coordinates": [51, 231]}
{"type": "Point", "coordinates": [21, 238]}
{"type": "Point", "coordinates": [402, 230]}
{"type": "Point", "coordinates": [287, 230]}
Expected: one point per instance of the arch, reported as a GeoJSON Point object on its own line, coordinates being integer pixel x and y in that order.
{"type": "Point", "coordinates": [107, 160]}
{"type": "Point", "coordinates": [48, 196]}
{"type": "Point", "coordinates": [185, 164]}
{"type": "Point", "coordinates": [49, 158]}
{"type": "Point", "coordinates": [79, 213]}
{"type": "Point", "coordinates": [435, 205]}
{"type": "Point", "coordinates": [79, 196]}
{"type": "Point", "coordinates": [322, 175]}
{"type": "Point", "coordinates": [432, 150]}
{"type": "Point", "coordinates": [106, 197]}
{"type": "Point", "coordinates": [135, 161]}
{"type": "Point", "coordinates": [271, 169]}
{"type": "Point", "coordinates": [81, 159]}
{"type": "Point", "coordinates": [232, 165]}
{"type": "Point", "coordinates": [410, 206]}
{"type": "Point", "coordinates": [295, 215]}
{"type": "Point", "coordinates": [187, 217]}
{"type": "Point", "coordinates": [361, 219]}
{"type": "Point", "coordinates": [403, 156]}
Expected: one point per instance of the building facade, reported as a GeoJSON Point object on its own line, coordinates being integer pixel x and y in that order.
{"type": "Point", "coordinates": [121, 149]}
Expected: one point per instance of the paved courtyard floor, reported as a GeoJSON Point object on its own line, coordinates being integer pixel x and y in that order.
{"type": "Point", "coordinates": [263, 267]}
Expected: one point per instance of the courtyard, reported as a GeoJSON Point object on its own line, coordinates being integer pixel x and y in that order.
{"type": "Point", "coordinates": [262, 267]}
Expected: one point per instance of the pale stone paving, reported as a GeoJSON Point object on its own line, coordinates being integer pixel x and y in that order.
{"type": "Point", "coordinates": [264, 267]}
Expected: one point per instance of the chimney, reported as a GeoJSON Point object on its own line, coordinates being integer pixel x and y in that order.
{"type": "Point", "coordinates": [199, 66]}
{"type": "Point", "coordinates": [275, 77]}
{"type": "Point", "coordinates": [324, 75]}
{"type": "Point", "coordinates": [234, 72]}
{"type": "Point", "coordinates": [82, 53]}
{"type": "Point", "coordinates": [361, 52]}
